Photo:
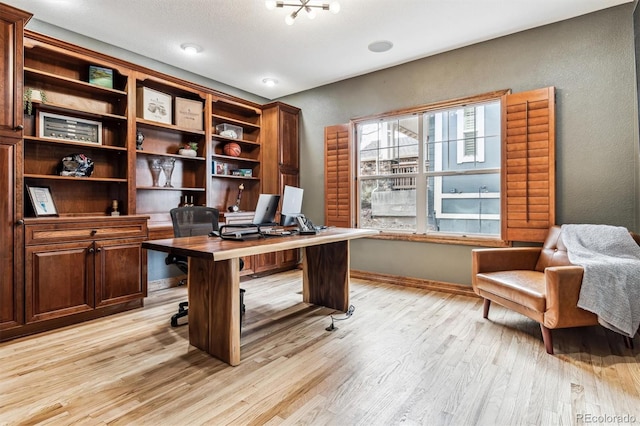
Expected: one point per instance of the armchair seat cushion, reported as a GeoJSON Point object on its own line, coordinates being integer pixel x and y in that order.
{"type": "Point", "coordinates": [525, 288]}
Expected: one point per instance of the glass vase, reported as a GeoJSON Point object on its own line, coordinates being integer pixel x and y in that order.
{"type": "Point", "coordinates": [156, 167]}
{"type": "Point", "coordinates": [167, 168]}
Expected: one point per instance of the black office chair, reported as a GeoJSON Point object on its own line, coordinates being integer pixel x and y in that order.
{"type": "Point", "coordinates": [190, 221]}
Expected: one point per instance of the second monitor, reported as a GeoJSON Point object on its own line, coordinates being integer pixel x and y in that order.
{"type": "Point", "coordinates": [291, 205]}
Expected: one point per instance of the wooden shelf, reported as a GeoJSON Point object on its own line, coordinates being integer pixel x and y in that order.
{"type": "Point", "coordinates": [64, 142]}
{"type": "Point", "coordinates": [240, 141]}
{"type": "Point", "coordinates": [235, 177]}
{"type": "Point", "coordinates": [37, 105]}
{"type": "Point", "coordinates": [164, 188]}
{"type": "Point", "coordinates": [244, 124]}
{"type": "Point", "coordinates": [170, 127]}
{"type": "Point", "coordinates": [73, 178]}
{"type": "Point", "coordinates": [235, 159]}
{"type": "Point", "coordinates": [165, 154]}
{"type": "Point", "coordinates": [69, 83]}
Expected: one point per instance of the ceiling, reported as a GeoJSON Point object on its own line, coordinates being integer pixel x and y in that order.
{"type": "Point", "coordinates": [243, 42]}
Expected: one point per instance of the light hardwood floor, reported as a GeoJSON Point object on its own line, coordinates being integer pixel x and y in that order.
{"type": "Point", "coordinates": [407, 356]}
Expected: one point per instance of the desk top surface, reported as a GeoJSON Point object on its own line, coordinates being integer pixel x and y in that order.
{"type": "Point", "coordinates": [219, 249]}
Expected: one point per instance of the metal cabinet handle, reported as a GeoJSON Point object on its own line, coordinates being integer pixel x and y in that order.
{"type": "Point", "coordinates": [20, 222]}
{"type": "Point", "coordinates": [18, 128]}
{"type": "Point", "coordinates": [91, 250]}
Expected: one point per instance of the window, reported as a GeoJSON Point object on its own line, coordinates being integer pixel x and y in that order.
{"type": "Point", "coordinates": [435, 170]}
{"type": "Point", "coordinates": [478, 170]}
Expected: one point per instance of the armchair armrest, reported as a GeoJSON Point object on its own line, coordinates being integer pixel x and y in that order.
{"type": "Point", "coordinates": [504, 259]}
{"type": "Point", "coordinates": [563, 285]}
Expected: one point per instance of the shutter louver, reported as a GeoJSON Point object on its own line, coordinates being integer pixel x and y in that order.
{"type": "Point", "coordinates": [528, 177]}
{"type": "Point", "coordinates": [337, 170]}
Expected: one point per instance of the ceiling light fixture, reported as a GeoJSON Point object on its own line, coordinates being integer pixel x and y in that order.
{"type": "Point", "coordinates": [191, 48]}
{"type": "Point", "coordinates": [308, 6]}
{"type": "Point", "coordinates": [270, 82]}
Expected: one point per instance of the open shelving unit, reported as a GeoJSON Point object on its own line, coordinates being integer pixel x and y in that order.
{"type": "Point", "coordinates": [224, 184]}
{"type": "Point", "coordinates": [64, 79]}
{"type": "Point", "coordinates": [162, 141]}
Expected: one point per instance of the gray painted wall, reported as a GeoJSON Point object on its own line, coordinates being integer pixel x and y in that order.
{"type": "Point", "coordinates": [590, 61]}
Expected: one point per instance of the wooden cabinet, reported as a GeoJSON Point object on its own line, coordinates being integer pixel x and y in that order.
{"type": "Point", "coordinates": [81, 265]}
{"type": "Point", "coordinates": [86, 262]}
{"type": "Point", "coordinates": [12, 23]}
{"type": "Point", "coordinates": [281, 166]}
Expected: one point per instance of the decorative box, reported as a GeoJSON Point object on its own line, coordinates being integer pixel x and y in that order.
{"type": "Point", "coordinates": [189, 113]}
{"type": "Point", "coordinates": [229, 131]}
{"type": "Point", "coordinates": [246, 172]}
{"type": "Point", "coordinates": [153, 105]}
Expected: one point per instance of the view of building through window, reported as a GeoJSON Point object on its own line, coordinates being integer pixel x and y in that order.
{"type": "Point", "coordinates": [431, 171]}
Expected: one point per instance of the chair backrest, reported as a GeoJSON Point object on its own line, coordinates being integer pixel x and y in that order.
{"type": "Point", "coordinates": [194, 220]}
{"type": "Point", "coordinates": [554, 252]}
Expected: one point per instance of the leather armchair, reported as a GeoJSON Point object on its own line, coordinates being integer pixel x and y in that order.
{"type": "Point", "coordinates": [538, 282]}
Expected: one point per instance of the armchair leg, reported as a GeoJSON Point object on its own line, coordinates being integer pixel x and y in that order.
{"type": "Point", "coordinates": [487, 305]}
{"type": "Point", "coordinates": [628, 342]}
{"type": "Point", "coordinates": [546, 338]}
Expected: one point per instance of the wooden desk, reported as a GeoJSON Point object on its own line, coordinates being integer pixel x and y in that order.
{"type": "Point", "coordinates": [214, 280]}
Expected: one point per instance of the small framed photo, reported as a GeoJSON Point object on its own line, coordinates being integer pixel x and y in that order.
{"type": "Point", "coordinates": [42, 201]}
{"type": "Point", "coordinates": [101, 76]}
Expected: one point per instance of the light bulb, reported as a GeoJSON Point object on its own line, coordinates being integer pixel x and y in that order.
{"type": "Point", "coordinates": [270, 4]}
{"type": "Point", "coordinates": [290, 19]}
{"type": "Point", "coordinates": [334, 7]}
{"type": "Point", "coordinates": [191, 48]}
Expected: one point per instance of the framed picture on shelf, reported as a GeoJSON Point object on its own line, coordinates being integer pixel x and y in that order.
{"type": "Point", "coordinates": [42, 201]}
{"type": "Point", "coordinates": [101, 76]}
{"type": "Point", "coordinates": [62, 127]}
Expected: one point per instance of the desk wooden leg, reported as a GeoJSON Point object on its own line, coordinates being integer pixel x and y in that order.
{"type": "Point", "coordinates": [214, 308]}
{"type": "Point", "coordinates": [326, 275]}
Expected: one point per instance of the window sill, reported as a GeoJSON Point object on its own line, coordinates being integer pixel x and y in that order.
{"type": "Point", "coordinates": [472, 240]}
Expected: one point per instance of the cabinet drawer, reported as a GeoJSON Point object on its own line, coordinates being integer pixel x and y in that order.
{"type": "Point", "coordinates": [63, 231]}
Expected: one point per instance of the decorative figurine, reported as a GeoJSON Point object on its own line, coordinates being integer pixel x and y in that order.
{"type": "Point", "coordinates": [139, 140]}
{"type": "Point", "coordinates": [236, 207]}
{"type": "Point", "coordinates": [114, 208]}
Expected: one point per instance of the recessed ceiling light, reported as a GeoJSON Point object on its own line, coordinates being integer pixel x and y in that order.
{"type": "Point", "coordinates": [270, 82]}
{"type": "Point", "coordinates": [191, 48]}
{"type": "Point", "coordinates": [380, 46]}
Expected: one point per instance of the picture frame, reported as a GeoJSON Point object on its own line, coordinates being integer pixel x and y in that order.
{"type": "Point", "coordinates": [153, 105]}
{"type": "Point", "coordinates": [42, 201]}
{"type": "Point", "coordinates": [101, 76]}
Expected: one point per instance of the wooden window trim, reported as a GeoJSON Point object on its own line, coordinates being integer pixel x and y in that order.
{"type": "Point", "coordinates": [519, 218]}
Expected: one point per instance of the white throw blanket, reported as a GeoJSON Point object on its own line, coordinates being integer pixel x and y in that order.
{"type": "Point", "coordinates": [611, 281]}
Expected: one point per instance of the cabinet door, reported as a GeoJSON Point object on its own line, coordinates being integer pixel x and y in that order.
{"type": "Point", "coordinates": [289, 155]}
{"type": "Point", "coordinates": [11, 302]}
{"type": "Point", "coordinates": [265, 262]}
{"type": "Point", "coordinates": [58, 280]}
{"type": "Point", "coordinates": [11, 32]}
{"type": "Point", "coordinates": [121, 271]}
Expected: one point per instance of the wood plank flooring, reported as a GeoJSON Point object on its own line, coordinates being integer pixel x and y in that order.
{"type": "Point", "coordinates": [407, 356]}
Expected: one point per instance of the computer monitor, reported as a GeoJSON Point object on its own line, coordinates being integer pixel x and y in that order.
{"type": "Point", "coordinates": [291, 205]}
{"type": "Point", "coordinates": [266, 209]}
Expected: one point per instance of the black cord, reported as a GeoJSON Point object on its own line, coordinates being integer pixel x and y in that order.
{"type": "Point", "coordinates": [347, 314]}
